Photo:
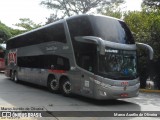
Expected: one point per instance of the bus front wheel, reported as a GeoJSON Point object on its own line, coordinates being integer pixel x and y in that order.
{"type": "Point", "coordinates": [66, 87]}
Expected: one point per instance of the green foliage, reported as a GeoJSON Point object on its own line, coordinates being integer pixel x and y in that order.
{"type": "Point", "coordinates": [15, 32]}
{"type": "Point", "coordinates": [7, 32]}
{"type": "Point", "coordinates": [27, 24]}
{"type": "Point", "coordinates": [146, 26]}
{"type": "Point", "coordinates": [138, 23]}
{"type": "Point", "coordinates": [113, 10]}
{"type": "Point", "coordinates": [4, 33]}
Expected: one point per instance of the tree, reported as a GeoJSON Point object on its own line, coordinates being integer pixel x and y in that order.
{"type": "Point", "coordinates": [53, 17]}
{"type": "Point", "coordinates": [4, 33]}
{"type": "Point", "coordinates": [27, 24]}
{"type": "Point", "coordinates": [7, 32]}
{"type": "Point", "coordinates": [152, 3]}
{"type": "Point", "coordinates": [15, 32]}
{"type": "Point", "coordinates": [112, 10]}
{"type": "Point", "coordinates": [146, 26]}
{"type": "Point", "coordinates": [66, 8]}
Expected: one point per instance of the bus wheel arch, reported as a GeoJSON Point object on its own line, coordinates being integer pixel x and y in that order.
{"type": "Point", "coordinates": [65, 86]}
{"type": "Point", "coordinates": [53, 83]}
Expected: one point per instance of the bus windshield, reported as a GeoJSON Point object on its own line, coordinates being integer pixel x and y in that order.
{"type": "Point", "coordinates": [118, 64]}
{"type": "Point", "coordinates": [108, 29]}
{"type": "Point", "coordinates": [112, 30]}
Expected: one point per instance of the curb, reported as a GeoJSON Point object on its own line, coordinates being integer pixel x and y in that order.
{"type": "Point", "coordinates": [149, 91]}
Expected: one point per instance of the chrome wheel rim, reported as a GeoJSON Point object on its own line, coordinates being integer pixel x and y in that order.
{"type": "Point", "coordinates": [67, 87]}
{"type": "Point", "coordinates": [54, 84]}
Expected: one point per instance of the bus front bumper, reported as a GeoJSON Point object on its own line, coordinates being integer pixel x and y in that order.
{"type": "Point", "coordinates": [115, 92]}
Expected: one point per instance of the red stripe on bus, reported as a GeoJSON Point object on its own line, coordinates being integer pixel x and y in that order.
{"type": "Point", "coordinates": [57, 71]}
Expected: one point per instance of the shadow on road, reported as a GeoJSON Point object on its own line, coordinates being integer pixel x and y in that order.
{"type": "Point", "coordinates": [78, 97]}
{"type": "Point", "coordinates": [106, 102]}
{"type": "Point", "coordinates": [31, 85]}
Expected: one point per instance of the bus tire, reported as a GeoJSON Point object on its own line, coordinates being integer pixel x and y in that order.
{"type": "Point", "coordinates": [15, 77]}
{"type": "Point", "coordinates": [66, 87]}
{"type": "Point", "coordinates": [53, 84]}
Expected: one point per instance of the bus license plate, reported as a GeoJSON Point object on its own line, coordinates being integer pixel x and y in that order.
{"type": "Point", "coordinates": [124, 95]}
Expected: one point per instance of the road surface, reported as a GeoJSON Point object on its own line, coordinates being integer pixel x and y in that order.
{"type": "Point", "coordinates": [29, 96]}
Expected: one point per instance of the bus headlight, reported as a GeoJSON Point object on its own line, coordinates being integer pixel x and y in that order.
{"type": "Point", "coordinates": [97, 82]}
{"type": "Point", "coordinates": [102, 84]}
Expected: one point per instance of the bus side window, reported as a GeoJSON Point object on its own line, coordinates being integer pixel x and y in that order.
{"type": "Point", "coordinates": [60, 63]}
{"type": "Point", "coordinates": [63, 63]}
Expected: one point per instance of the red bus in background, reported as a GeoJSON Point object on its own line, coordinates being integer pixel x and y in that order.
{"type": "Point", "coordinates": [2, 61]}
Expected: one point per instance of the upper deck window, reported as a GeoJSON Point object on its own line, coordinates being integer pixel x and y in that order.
{"type": "Point", "coordinates": [80, 26]}
{"type": "Point", "coordinates": [54, 32]}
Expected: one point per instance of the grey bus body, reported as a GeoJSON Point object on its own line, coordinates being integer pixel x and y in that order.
{"type": "Point", "coordinates": [90, 55]}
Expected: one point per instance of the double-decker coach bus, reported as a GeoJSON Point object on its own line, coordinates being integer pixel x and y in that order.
{"type": "Point", "coordinates": [90, 55]}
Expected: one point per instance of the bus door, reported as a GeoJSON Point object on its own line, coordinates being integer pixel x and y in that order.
{"type": "Point", "coordinates": [86, 61]}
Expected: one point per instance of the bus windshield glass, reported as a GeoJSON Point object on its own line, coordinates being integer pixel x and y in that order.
{"type": "Point", "coordinates": [112, 30]}
{"type": "Point", "coordinates": [118, 64]}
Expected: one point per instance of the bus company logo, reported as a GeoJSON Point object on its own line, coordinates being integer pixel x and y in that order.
{"type": "Point", "coordinates": [6, 114]}
{"type": "Point", "coordinates": [12, 57]}
{"type": "Point", "coordinates": [124, 83]}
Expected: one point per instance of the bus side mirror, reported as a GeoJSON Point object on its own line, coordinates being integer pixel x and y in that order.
{"type": "Point", "coordinates": [93, 40]}
{"type": "Point", "coordinates": [148, 47]}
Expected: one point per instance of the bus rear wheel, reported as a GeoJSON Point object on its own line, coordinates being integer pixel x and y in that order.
{"type": "Point", "coordinates": [53, 84]}
{"type": "Point", "coordinates": [66, 87]}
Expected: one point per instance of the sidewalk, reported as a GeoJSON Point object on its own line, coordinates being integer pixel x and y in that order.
{"type": "Point", "coordinates": [150, 90]}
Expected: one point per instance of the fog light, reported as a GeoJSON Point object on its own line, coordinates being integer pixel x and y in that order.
{"type": "Point", "coordinates": [102, 93]}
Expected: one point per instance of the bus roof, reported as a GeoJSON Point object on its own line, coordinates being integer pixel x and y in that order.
{"type": "Point", "coordinates": [62, 20]}
{"type": "Point", "coordinates": [92, 15]}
